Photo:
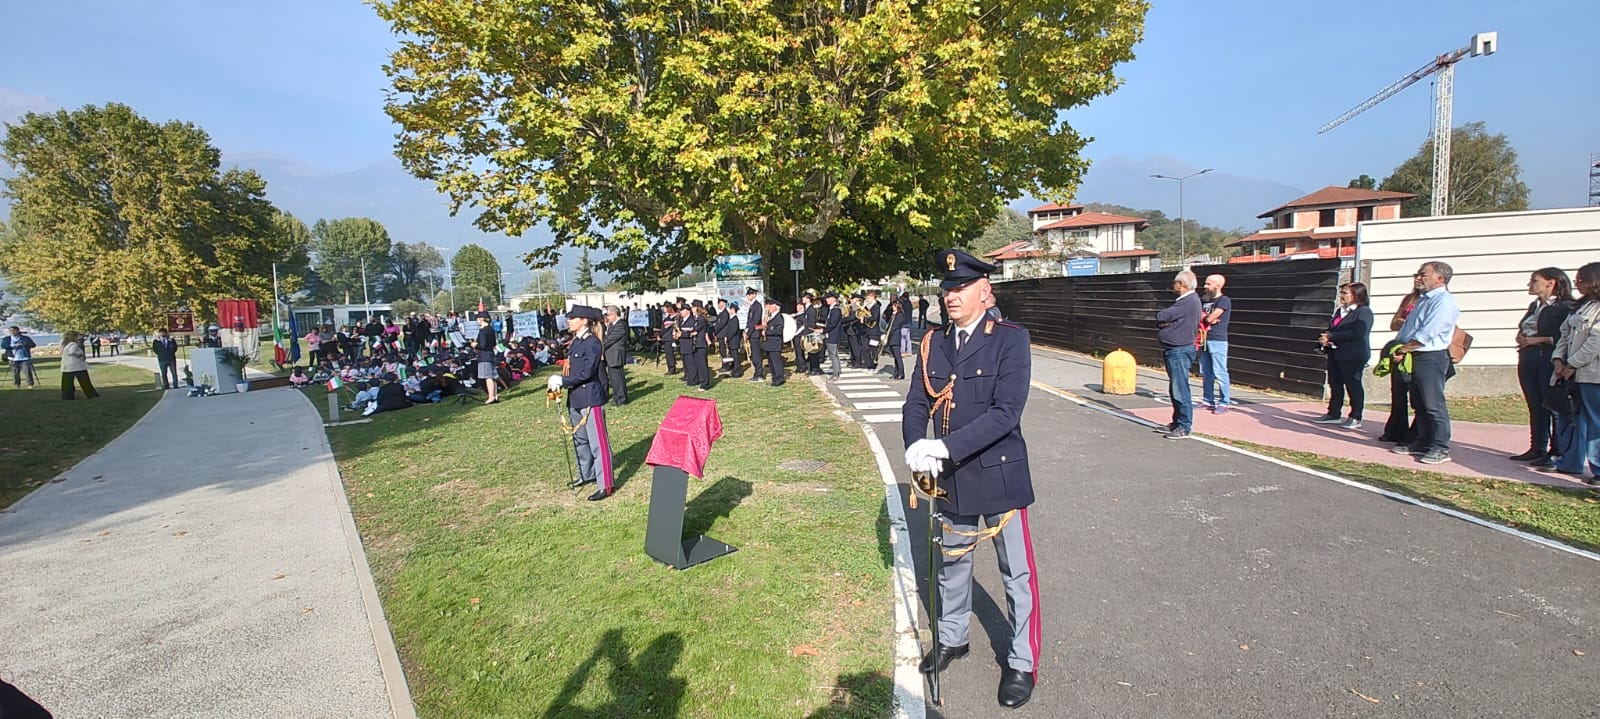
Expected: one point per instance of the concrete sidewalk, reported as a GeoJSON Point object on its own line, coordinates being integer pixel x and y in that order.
{"type": "Point", "coordinates": [204, 564]}
{"type": "Point", "coordinates": [1476, 449]}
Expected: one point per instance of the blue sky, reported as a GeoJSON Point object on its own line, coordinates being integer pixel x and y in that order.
{"type": "Point", "coordinates": [1239, 86]}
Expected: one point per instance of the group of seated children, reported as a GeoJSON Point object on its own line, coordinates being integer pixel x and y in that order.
{"type": "Point", "coordinates": [392, 381]}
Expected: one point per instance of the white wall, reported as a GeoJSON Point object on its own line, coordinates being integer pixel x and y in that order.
{"type": "Point", "coordinates": [1492, 256]}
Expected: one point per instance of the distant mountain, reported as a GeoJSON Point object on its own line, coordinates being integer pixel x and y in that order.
{"type": "Point", "coordinates": [1218, 199]}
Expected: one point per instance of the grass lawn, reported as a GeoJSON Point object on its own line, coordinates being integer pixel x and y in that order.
{"type": "Point", "coordinates": [46, 435]}
{"type": "Point", "coordinates": [511, 596]}
{"type": "Point", "coordinates": [1571, 515]}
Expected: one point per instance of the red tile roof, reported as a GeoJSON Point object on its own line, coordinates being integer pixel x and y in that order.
{"type": "Point", "coordinates": [1114, 254]}
{"type": "Point", "coordinates": [1275, 235]}
{"type": "Point", "coordinates": [1007, 248]}
{"type": "Point", "coordinates": [1096, 219]}
{"type": "Point", "coordinates": [1053, 207]}
{"type": "Point", "coordinates": [1018, 255]}
{"type": "Point", "coordinates": [1331, 195]}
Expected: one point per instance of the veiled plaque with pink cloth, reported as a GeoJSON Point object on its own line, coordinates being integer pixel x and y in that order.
{"type": "Point", "coordinates": [685, 436]}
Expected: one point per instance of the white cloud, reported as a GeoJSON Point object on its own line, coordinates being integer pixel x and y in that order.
{"type": "Point", "coordinates": [13, 104]}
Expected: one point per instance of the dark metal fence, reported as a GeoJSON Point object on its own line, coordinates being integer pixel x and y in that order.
{"type": "Point", "coordinates": [1278, 310]}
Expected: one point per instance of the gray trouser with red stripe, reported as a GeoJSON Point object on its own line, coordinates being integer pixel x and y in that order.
{"type": "Point", "coordinates": [1013, 547]}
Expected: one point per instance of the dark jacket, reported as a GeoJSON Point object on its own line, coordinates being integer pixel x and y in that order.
{"type": "Point", "coordinates": [1548, 325]}
{"type": "Point", "coordinates": [832, 321]}
{"type": "Point", "coordinates": [582, 376]}
{"type": "Point", "coordinates": [392, 396]}
{"type": "Point", "coordinates": [615, 344]}
{"type": "Point", "coordinates": [992, 373]}
{"type": "Point", "coordinates": [752, 326]}
{"type": "Point", "coordinates": [166, 350]}
{"type": "Point", "coordinates": [772, 336]}
{"type": "Point", "coordinates": [808, 320]}
{"type": "Point", "coordinates": [486, 343]}
{"type": "Point", "coordinates": [902, 317]}
{"type": "Point", "coordinates": [729, 329]}
{"type": "Point", "coordinates": [1178, 323]}
{"type": "Point", "coordinates": [1352, 338]}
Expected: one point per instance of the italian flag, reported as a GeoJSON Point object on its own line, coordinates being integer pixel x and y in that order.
{"type": "Point", "coordinates": [334, 383]}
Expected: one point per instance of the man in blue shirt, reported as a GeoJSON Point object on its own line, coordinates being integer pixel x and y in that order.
{"type": "Point", "coordinates": [1214, 380]}
{"type": "Point", "coordinates": [1426, 336]}
{"type": "Point", "coordinates": [18, 349]}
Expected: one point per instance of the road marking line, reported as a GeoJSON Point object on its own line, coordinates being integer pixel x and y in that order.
{"type": "Point", "coordinates": [1447, 511]}
{"type": "Point", "coordinates": [880, 418]}
{"type": "Point", "coordinates": [864, 395]}
{"type": "Point", "coordinates": [909, 701]}
{"type": "Point", "coordinates": [880, 405]}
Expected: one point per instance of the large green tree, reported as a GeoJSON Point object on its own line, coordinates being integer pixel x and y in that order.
{"type": "Point", "coordinates": [117, 219]}
{"type": "Point", "coordinates": [584, 274]}
{"type": "Point", "coordinates": [1007, 227]}
{"type": "Point", "coordinates": [668, 132]}
{"type": "Point", "coordinates": [1484, 175]}
{"type": "Point", "coordinates": [476, 267]}
{"type": "Point", "coordinates": [412, 271]}
{"type": "Point", "coordinates": [343, 248]}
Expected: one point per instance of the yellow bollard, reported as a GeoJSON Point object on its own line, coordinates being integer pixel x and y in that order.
{"type": "Point", "coordinates": [1118, 373]}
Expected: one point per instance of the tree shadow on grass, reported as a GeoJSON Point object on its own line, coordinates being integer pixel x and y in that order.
{"type": "Point", "coordinates": [857, 696]}
{"type": "Point", "coordinates": [639, 684]}
{"type": "Point", "coordinates": [713, 503]}
{"type": "Point", "coordinates": [629, 462]}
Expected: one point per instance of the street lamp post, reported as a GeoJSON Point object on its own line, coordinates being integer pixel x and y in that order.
{"type": "Point", "coordinates": [1183, 239]}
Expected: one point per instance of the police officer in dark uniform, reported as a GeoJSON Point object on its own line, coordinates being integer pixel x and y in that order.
{"type": "Point", "coordinates": [586, 400]}
{"type": "Point", "coordinates": [971, 380]}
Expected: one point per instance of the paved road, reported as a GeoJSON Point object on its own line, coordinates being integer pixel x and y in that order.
{"type": "Point", "coordinates": [1183, 580]}
{"type": "Point", "coordinates": [201, 565]}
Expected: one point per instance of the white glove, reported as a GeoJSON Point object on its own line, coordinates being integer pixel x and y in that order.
{"type": "Point", "coordinates": [925, 463]}
{"type": "Point", "coordinates": [932, 447]}
{"type": "Point", "coordinates": [554, 384]}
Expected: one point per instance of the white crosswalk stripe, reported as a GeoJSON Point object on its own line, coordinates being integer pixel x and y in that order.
{"type": "Point", "coordinates": [865, 395]}
{"type": "Point", "coordinates": [881, 418]}
{"type": "Point", "coordinates": [870, 406]}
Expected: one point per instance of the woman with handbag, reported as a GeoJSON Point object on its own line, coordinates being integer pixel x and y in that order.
{"type": "Point", "coordinates": [1536, 341]}
{"type": "Point", "coordinates": [1577, 359]}
{"type": "Point", "coordinates": [1347, 344]}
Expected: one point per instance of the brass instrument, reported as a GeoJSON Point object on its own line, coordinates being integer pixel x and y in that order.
{"type": "Point", "coordinates": [811, 342]}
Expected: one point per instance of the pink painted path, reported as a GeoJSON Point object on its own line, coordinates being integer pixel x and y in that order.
{"type": "Point", "coordinates": [1476, 450]}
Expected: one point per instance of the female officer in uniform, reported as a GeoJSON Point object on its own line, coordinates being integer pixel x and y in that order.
{"type": "Point", "coordinates": [586, 400]}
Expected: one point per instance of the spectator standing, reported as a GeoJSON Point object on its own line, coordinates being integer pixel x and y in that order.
{"type": "Point", "coordinates": [1536, 339]}
{"type": "Point", "coordinates": [485, 346]}
{"type": "Point", "coordinates": [74, 367]}
{"type": "Point", "coordinates": [115, 341]}
{"type": "Point", "coordinates": [18, 350]}
{"type": "Point", "coordinates": [922, 312]}
{"type": "Point", "coordinates": [615, 350]}
{"type": "Point", "coordinates": [313, 339]}
{"type": "Point", "coordinates": [94, 345]}
{"type": "Point", "coordinates": [1400, 427]}
{"type": "Point", "coordinates": [1426, 336]}
{"type": "Point", "coordinates": [1347, 343]}
{"type": "Point", "coordinates": [1177, 327]}
{"type": "Point", "coordinates": [1216, 309]}
{"type": "Point", "coordinates": [165, 349]}
{"type": "Point", "coordinates": [1577, 359]}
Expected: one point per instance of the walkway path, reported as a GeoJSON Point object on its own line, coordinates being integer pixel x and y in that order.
{"type": "Point", "coordinates": [1178, 579]}
{"type": "Point", "coordinates": [204, 564]}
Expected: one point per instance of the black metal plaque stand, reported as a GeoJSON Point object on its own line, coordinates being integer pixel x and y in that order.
{"type": "Point", "coordinates": [663, 537]}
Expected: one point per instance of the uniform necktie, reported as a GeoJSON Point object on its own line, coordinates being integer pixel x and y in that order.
{"type": "Point", "coordinates": [961, 339]}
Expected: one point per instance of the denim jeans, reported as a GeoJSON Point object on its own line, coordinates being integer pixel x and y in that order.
{"type": "Point", "coordinates": [1588, 444]}
{"type": "Point", "coordinates": [1179, 361]}
{"type": "Point", "coordinates": [1571, 441]}
{"type": "Point", "coordinates": [1429, 370]}
{"type": "Point", "coordinates": [1214, 369]}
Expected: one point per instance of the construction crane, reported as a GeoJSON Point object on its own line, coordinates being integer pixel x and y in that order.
{"type": "Point", "coordinates": [1444, 67]}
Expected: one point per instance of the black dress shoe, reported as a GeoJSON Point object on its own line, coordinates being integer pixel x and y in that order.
{"type": "Point", "coordinates": [576, 483]}
{"type": "Point", "coordinates": [598, 495]}
{"type": "Point", "coordinates": [1527, 456]}
{"type": "Point", "coordinates": [945, 655]}
{"type": "Point", "coordinates": [1016, 687]}
{"type": "Point", "coordinates": [1542, 462]}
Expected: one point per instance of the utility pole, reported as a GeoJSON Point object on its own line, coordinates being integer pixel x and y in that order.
{"type": "Point", "coordinates": [365, 301]}
{"type": "Point", "coordinates": [1183, 238]}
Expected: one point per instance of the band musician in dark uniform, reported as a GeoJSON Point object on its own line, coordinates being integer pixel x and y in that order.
{"type": "Point", "coordinates": [586, 400]}
{"type": "Point", "coordinates": [752, 331]}
{"type": "Point", "coordinates": [971, 379]}
{"type": "Point", "coordinates": [772, 340]}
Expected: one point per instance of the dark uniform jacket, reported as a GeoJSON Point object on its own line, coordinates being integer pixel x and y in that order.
{"type": "Point", "coordinates": [992, 375]}
{"type": "Point", "coordinates": [690, 332]}
{"type": "Point", "coordinates": [832, 321]}
{"type": "Point", "coordinates": [808, 319]}
{"type": "Point", "coordinates": [753, 326]}
{"type": "Point", "coordinates": [772, 338]}
{"type": "Point", "coordinates": [582, 377]}
{"type": "Point", "coordinates": [730, 325]}
{"type": "Point", "coordinates": [1352, 338]}
{"type": "Point", "coordinates": [616, 344]}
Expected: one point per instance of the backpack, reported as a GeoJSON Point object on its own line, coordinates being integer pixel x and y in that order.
{"type": "Point", "coordinates": [1460, 342]}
